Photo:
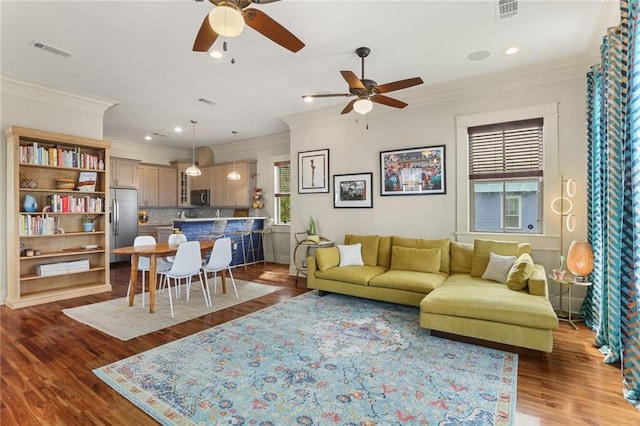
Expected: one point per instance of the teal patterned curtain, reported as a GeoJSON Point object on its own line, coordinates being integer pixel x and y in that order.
{"type": "Point", "coordinates": [613, 188]}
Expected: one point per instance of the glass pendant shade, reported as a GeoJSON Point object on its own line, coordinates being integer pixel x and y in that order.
{"type": "Point", "coordinates": [580, 260]}
{"type": "Point", "coordinates": [234, 175]}
{"type": "Point", "coordinates": [193, 170]}
{"type": "Point", "coordinates": [226, 21]}
{"type": "Point", "coordinates": [363, 106]}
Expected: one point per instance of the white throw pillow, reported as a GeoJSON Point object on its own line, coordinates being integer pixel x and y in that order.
{"type": "Point", "coordinates": [350, 255]}
{"type": "Point", "coordinates": [498, 267]}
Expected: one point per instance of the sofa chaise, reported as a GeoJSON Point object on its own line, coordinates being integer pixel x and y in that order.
{"type": "Point", "coordinates": [444, 279]}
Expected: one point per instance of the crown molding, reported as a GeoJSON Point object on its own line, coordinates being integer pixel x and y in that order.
{"type": "Point", "coordinates": [18, 86]}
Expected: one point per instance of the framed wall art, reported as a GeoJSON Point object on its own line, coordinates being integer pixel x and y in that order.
{"type": "Point", "coordinates": [413, 171]}
{"type": "Point", "coordinates": [313, 171]}
{"type": "Point", "coordinates": [353, 190]}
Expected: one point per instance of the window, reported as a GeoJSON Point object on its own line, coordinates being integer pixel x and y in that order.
{"type": "Point", "coordinates": [282, 191]}
{"type": "Point", "coordinates": [505, 176]}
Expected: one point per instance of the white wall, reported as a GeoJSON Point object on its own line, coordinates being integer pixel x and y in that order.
{"type": "Point", "coordinates": [29, 104]}
{"type": "Point", "coordinates": [431, 120]}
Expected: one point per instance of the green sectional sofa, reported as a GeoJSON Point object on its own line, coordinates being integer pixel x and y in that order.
{"type": "Point", "coordinates": [444, 279]}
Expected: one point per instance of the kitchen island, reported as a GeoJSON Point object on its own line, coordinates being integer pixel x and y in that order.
{"type": "Point", "coordinates": [197, 229]}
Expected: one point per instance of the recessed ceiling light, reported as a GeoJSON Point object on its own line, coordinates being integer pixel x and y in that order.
{"type": "Point", "coordinates": [147, 138]}
{"type": "Point", "coordinates": [216, 54]}
{"type": "Point", "coordinates": [177, 129]}
{"type": "Point", "coordinates": [512, 51]}
{"type": "Point", "coordinates": [308, 98]}
{"type": "Point", "coordinates": [478, 55]}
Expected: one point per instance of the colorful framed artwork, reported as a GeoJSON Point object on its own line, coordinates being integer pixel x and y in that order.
{"type": "Point", "coordinates": [413, 171]}
{"type": "Point", "coordinates": [353, 190]}
{"type": "Point", "coordinates": [313, 171]}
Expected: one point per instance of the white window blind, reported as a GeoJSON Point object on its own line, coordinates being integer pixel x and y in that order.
{"type": "Point", "coordinates": [506, 150]}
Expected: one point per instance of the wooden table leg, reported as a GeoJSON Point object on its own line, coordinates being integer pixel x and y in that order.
{"type": "Point", "coordinates": [223, 279]}
{"type": "Point", "coordinates": [133, 278]}
{"type": "Point", "coordinates": [152, 283]}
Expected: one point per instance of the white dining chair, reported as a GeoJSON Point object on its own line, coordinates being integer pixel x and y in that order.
{"type": "Point", "coordinates": [219, 260]}
{"type": "Point", "coordinates": [144, 262]}
{"type": "Point", "coordinates": [187, 263]}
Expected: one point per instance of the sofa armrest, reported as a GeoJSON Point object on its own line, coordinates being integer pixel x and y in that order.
{"type": "Point", "coordinates": [311, 270]}
{"type": "Point", "coordinates": [538, 282]}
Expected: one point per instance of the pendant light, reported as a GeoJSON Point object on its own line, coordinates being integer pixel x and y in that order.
{"type": "Point", "coordinates": [193, 170]}
{"type": "Point", "coordinates": [234, 175]}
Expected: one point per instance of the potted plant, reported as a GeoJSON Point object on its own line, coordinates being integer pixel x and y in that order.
{"type": "Point", "coordinates": [312, 232]}
{"type": "Point", "coordinates": [88, 222]}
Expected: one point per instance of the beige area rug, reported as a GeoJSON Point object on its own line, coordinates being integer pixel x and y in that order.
{"type": "Point", "coordinates": [116, 318]}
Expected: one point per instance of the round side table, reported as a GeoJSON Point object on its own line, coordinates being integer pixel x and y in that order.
{"type": "Point", "coordinates": [569, 281]}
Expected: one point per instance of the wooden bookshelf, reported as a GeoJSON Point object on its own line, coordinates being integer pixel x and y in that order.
{"type": "Point", "coordinates": [37, 163]}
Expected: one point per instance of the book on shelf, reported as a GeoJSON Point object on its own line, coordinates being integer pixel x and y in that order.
{"type": "Point", "coordinates": [87, 181]}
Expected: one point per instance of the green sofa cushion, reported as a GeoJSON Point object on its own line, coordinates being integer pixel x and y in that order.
{"type": "Point", "coordinates": [461, 255]}
{"type": "Point", "coordinates": [369, 247]}
{"type": "Point", "coordinates": [520, 272]}
{"type": "Point", "coordinates": [419, 282]}
{"type": "Point", "coordinates": [443, 244]}
{"type": "Point", "coordinates": [384, 251]}
{"type": "Point", "coordinates": [327, 257]}
{"type": "Point", "coordinates": [414, 259]}
{"type": "Point", "coordinates": [481, 250]}
{"type": "Point", "coordinates": [470, 297]}
{"type": "Point", "coordinates": [352, 274]}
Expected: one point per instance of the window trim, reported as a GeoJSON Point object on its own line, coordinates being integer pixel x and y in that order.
{"type": "Point", "coordinates": [277, 195]}
{"type": "Point", "coordinates": [549, 113]}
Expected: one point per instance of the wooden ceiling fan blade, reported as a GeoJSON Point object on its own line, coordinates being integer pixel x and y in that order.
{"type": "Point", "coordinates": [349, 107]}
{"type": "Point", "coordinates": [400, 84]}
{"type": "Point", "coordinates": [269, 28]}
{"type": "Point", "coordinates": [352, 80]}
{"type": "Point", "coordinates": [205, 38]}
{"type": "Point", "coordinates": [385, 100]}
{"type": "Point", "coordinates": [327, 95]}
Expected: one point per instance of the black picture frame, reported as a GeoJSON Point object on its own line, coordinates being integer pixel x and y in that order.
{"type": "Point", "coordinates": [413, 171]}
{"type": "Point", "coordinates": [313, 171]}
{"type": "Point", "coordinates": [353, 190]}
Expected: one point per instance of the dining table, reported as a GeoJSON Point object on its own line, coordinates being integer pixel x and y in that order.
{"type": "Point", "coordinates": [154, 251]}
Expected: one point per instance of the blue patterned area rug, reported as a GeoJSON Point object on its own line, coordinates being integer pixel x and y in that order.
{"type": "Point", "coordinates": [318, 361]}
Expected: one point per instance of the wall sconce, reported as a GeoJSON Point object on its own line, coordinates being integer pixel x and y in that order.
{"type": "Point", "coordinates": [580, 260]}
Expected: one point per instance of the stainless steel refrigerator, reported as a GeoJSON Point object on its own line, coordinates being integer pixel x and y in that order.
{"type": "Point", "coordinates": [123, 220]}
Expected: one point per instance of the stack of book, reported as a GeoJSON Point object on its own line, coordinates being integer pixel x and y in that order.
{"type": "Point", "coordinates": [62, 268]}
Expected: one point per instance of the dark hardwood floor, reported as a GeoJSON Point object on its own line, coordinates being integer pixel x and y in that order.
{"type": "Point", "coordinates": [47, 359]}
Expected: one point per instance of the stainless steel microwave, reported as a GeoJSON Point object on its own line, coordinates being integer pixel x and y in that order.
{"type": "Point", "coordinates": [200, 197]}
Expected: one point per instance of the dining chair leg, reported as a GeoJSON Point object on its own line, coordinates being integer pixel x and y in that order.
{"type": "Point", "coordinates": [233, 282]}
{"type": "Point", "coordinates": [170, 298]}
{"type": "Point", "coordinates": [206, 287]}
{"type": "Point", "coordinates": [205, 291]}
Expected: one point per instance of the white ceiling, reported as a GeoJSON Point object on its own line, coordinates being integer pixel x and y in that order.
{"type": "Point", "coordinates": [138, 53]}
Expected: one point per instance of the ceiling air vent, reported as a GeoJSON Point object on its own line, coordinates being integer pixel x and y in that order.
{"type": "Point", "coordinates": [207, 101]}
{"type": "Point", "coordinates": [159, 134]}
{"type": "Point", "coordinates": [51, 49]}
{"type": "Point", "coordinates": [506, 8]}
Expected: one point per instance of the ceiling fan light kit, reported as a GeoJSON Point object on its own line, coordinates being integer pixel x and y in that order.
{"type": "Point", "coordinates": [226, 20]}
{"type": "Point", "coordinates": [363, 106]}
